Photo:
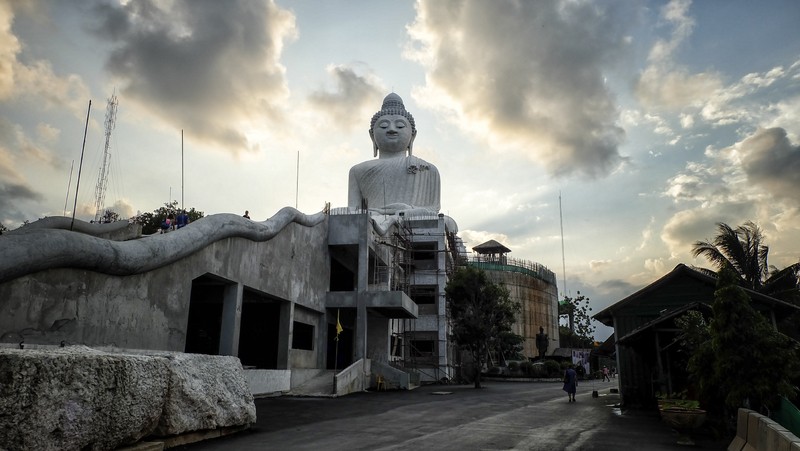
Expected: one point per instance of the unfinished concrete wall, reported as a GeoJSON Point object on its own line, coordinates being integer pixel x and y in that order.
{"type": "Point", "coordinates": [539, 300]}
{"type": "Point", "coordinates": [150, 310]}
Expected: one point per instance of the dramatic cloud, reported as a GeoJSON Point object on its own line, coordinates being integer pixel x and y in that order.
{"type": "Point", "coordinates": [34, 80]}
{"type": "Point", "coordinates": [9, 47]}
{"type": "Point", "coordinates": [663, 84]}
{"type": "Point", "coordinates": [206, 66]}
{"type": "Point", "coordinates": [11, 195]}
{"type": "Point", "coordinates": [686, 227]}
{"type": "Point", "coordinates": [354, 98]}
{"type": "Point", "coordinates": [771, 161]}
{"type": "Point", "coordinates": [527, 75]}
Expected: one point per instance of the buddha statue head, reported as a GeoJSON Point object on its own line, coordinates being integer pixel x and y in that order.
{"type": "Point", "coordinates": [392, 129]}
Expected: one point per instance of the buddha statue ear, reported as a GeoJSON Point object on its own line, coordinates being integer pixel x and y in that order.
{"type": "Point", "coordinates": [374, 144]}
{"type": "Point", "coordinates": [411, 143]}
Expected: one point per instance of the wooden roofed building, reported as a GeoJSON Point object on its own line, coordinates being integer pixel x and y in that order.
{"type": "Point", "coordinates": [649, 358]}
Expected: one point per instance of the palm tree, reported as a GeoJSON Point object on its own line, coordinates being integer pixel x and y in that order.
{"type": "Point", "coordinates": [742, 250]}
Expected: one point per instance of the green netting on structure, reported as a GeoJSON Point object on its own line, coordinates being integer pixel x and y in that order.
{"type": "Point", "coordinates": [520, 266]}
{"type": "Point", "coordinates": [788, 416]}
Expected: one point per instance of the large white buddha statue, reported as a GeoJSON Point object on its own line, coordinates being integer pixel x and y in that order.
{"type": "Point", "coordinates": [397, 181]}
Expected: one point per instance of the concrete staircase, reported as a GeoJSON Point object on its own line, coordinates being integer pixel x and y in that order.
{"type": "Point", "coordinates": [320, 385]}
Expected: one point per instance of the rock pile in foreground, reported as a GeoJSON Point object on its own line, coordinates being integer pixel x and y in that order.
{"type": "Point", "coordinates": [81, 398]}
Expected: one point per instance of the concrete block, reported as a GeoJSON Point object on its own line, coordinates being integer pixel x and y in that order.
{"type": "Point", "coordinates": [786, 440]}
{"type": "Point", "coordinates": [752, 431]}
{"type": "Point", "coordinates": [776, 440]}
{"type": "Point", "coordinates": [764, 426]}
{"type": "Point", "coordinates": [737, 444]}
{"type": "Point", "coordinates": [740, 440]}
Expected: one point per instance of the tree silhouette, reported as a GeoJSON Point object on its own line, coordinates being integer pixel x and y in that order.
{"type": "Point", "coordinates": [481, 315]}
{"type": "Point", "coordinates": [580, 332]}
{"type": "Point", "coordinates": [742, 361]}
{"type": "Point", "coordinates": [742, 249]}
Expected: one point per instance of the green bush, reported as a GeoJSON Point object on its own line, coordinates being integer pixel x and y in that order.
{"type": "Point", "coordinates": [552, 368]}
{"type": "Point", "coordinates": [513, 366]}
{"type": "Point", "coordinates": [539, 370]}
{"type": "Point", "coordinates": [494, 370]}
{"type": "Point", "coordinates": [527, 368]}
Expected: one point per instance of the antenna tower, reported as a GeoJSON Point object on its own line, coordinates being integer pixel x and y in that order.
{"type": "Point", "coordinates": [102, 177]}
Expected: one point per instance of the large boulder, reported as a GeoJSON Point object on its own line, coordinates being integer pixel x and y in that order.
{"type": "Point", "coordinates": [205, 392]}
{"type": "Point", "coordinates": [77, 398]}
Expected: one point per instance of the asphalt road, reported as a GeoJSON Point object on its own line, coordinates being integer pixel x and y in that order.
{"type": "Point", "coordinates": [500, 416]}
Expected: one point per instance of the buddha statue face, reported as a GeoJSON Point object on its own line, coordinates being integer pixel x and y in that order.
{"type": "Point", "coordinates": [392, 128]}
{"type": "Point", "coordinates": [392, 135]}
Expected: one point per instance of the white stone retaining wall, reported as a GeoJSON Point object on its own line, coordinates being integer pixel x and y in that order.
{"type": "Point", "coordinates": [756, 432]}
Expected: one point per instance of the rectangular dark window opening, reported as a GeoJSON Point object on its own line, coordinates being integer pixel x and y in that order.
{"type": "Point", "coordinates": [424, 251]}
{"type": "Point", "coordinates": [422, 348]}
{"type": "Point", "coordinates": [424, 294]}
{"type": "Point", "coordinates": [303, 336]}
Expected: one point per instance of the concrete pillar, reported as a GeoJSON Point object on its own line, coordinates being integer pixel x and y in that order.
{"type": "Point", "coordinates": [285, 328]}
{"type": "Point", "coordinates": [363, 279]}
{"type": "Point", "coordinates": [441, 301]}
{"type": "Point", "coordinates": [231, 319]}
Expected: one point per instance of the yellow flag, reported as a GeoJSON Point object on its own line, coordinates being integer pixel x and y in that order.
{"type": "Point", "coordinates": [338, 325]}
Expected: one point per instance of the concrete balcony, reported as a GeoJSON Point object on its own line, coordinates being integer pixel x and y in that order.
{"type": "Point", "coordinates": [391, 304]}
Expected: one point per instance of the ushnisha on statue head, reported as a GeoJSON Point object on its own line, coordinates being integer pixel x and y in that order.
{"type": "Point", "coordinates": [392, 129]}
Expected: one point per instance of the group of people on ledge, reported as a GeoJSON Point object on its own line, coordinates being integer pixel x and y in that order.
{"type": "Point", "coordinates": [172, 222]}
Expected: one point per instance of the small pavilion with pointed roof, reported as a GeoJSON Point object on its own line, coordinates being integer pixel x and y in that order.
{"type": "Point", "coordinates": [491, 251]}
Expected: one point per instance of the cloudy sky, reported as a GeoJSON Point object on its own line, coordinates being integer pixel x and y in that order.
{"type": "Point", "coordinates": [651, 121]}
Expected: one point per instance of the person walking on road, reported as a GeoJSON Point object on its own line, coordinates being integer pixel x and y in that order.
{"type": "Point", "coordinates": [570, 382]}
{"type": "Point", "coordinates": [605, 374]}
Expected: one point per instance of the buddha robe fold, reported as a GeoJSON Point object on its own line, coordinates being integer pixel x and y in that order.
{"type": "Point", "coordinates": [392, 185]}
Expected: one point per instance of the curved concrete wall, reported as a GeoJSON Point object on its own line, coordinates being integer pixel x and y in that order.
{"type": "Point", "coordinates": [539, 301]}
{"type": "Point", "coordinates": [149, 310]}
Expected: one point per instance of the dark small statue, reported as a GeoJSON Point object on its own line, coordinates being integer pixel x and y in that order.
{"type": "Point", "coordinates": [541, 342]}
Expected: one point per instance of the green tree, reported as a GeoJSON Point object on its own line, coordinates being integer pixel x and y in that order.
{"type": "Point", "coordinates": [481, 314]}
{"type": "Point", "coordinates": [742, 361]}
{"type": "Point", "coordinates": [110, 216]}
{"type": "Point", "coordinates": [151, 222]}
{"type": "Point", "coordinates": [742, 249]}
{"type": "Point", "coordinates": [580, 332]}
{"type": "Point", "coordinates": [511, 345]}
{"type": "Point", "coordinates": [3, 229]}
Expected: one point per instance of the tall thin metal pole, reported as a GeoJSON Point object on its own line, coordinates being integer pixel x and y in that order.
{"type": "Point", "coordinates": [78, 183]}
{"type": "Point", "coordinates": [297, 184]}
{"type": "Point", "coordinates": [563, 259]}
{"type": "Point", "coordinates": [182, 170]}
{"type": "Point", "coordinates": [69, 185]}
